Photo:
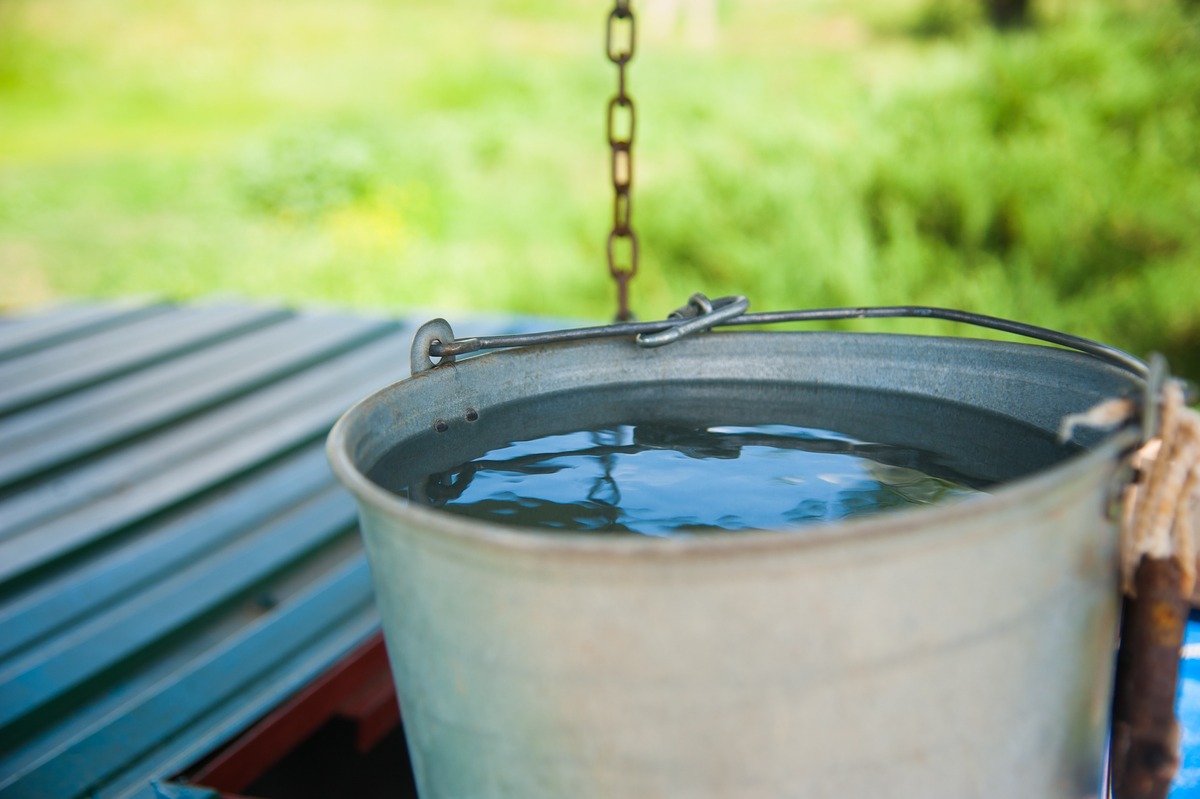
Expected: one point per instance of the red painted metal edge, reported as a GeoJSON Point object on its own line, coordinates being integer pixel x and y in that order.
{"type": "Point", "coordinates": [359, 686]}
{"type": "Point", "coordinates": [374, 710]}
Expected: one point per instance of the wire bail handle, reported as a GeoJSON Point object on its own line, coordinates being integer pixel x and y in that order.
{"type": "Point", "coordinates": [732, 311]}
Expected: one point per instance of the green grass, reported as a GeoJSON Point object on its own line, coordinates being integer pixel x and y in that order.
{"type": "Point", "coordinates": [450, 155]}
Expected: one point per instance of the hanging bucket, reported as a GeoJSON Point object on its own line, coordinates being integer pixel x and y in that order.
{"type": "Point", "coordinates": [959, 650]}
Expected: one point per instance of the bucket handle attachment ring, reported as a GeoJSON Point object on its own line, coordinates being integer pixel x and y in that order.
{"type": "Point", "coordinates": [433, 332]}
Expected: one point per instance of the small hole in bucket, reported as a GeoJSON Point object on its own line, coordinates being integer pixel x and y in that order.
{"type": "Point", "coordinates": [441, 426]}
{"type": "Point", "coordinates": [472, 415]}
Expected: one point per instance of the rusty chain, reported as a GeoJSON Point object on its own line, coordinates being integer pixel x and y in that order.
{"type": "Point", "coordinates": [620, 43]}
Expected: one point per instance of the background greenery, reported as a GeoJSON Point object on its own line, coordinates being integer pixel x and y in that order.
{"type": "Point", "coordinates": [449, 155]}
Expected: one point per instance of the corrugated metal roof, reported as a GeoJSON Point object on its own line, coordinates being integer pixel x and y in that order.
{"type": "Point", "coordinates": [175, 556]}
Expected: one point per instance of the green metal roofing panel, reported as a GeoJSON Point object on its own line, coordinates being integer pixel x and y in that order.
{"type": "Point", "coordinates": [176, 558]}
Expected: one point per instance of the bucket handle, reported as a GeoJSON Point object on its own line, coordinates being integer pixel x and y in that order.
{"type": "Point", "coordinates": [442, 342]}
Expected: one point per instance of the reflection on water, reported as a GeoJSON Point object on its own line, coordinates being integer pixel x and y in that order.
{"type": "Point", "coordinates": [662, 480]}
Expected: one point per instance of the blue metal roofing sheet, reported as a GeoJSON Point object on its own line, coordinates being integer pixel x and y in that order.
{"type": "Point", "coordinates": [106, 354]}
{"type": "Point", "coordinates": [23, 334]}
{"type": "Point", "coordinates": [176, 558]}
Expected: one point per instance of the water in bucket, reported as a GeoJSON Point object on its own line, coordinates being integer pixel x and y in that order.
{"type": "Point", "coordinates": [678, 476]}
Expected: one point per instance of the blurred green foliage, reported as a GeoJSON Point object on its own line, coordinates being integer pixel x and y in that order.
{"type": "Point", "coordinates": [450, 155]}
{"type": "Point", "coordinates": [304, 174]}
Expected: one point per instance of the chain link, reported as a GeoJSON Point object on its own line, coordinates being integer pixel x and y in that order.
{"type": "Point", "coordinates": [622, 249]}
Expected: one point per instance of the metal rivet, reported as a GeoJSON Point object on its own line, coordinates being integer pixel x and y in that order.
{"type": "Point", "coordinates": [441, 426]}
{"type": "Point", "coordinates": [472, 415]}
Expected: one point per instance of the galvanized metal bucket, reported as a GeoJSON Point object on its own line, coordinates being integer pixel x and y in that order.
{"type": "Point", "coordinates": [963, 650]}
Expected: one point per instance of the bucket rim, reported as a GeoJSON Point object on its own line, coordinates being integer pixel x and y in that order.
{"type": "Point", "coordinates": [1018, 491]}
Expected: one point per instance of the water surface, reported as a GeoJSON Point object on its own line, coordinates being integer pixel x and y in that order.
{"type": "Point", "coordinates": [660, 479]}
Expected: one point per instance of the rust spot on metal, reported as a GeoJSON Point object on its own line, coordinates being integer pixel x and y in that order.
{"type": "Point", "coordinates": [1145, 749]}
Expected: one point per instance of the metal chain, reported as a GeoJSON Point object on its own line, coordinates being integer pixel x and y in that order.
{"type": "Point", "coordinates": [620, 43]}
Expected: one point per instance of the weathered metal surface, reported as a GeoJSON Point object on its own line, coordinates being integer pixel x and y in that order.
{"type": "Point", "coordinates": [176, 558]}
{"type": "Point", "coordinates": [1145, 736]}
{"type": "Point", "coordinates": [958, 651]}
